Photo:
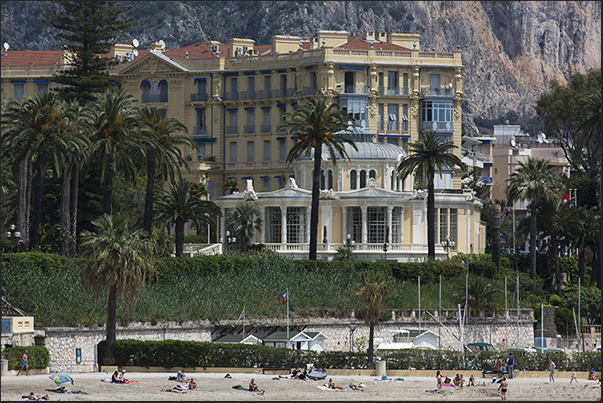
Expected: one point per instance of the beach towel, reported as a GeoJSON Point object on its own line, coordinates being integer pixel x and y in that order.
{"type": "Point", "coordinates": [184, 387]}
{"type": "Point", "coordinates": [241, 387]}
{"type": "Point", "coordinates": [116, 383]}
{"type": "Point", "coordinates": [323, 387]}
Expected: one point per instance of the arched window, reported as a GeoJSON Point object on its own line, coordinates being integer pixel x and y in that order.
{"type": "Point", "coordinates": [353, 175]}
{"type": "Point", "coordinates": [330, 179]}
{"type": "Point", "coordinates": [393, 181]}
{"type": "Point", "coordinates": [362, 179]}
{"type": "Point", "coordinates": [373, 174]}
{"type": "Point", "coordinates": [163, 91]}
{"type": "Point", "coordinates": [322, 180]}
{"type": "Point", "coordinates": [146, 91]}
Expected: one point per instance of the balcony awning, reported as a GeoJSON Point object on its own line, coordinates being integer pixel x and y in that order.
{"type": "Point", "coordinates": [206, 140]}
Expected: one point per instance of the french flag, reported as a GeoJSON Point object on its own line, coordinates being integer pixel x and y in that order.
{"type": "Point", "coordinates": [566, 198]}
{"type": "Point", "coordinates": [509, 206]}
{"type": "Point", "coordinates": [284, 297]}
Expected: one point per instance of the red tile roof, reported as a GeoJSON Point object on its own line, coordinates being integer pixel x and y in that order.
{"type": "Point", "coordinates": [359, 42]}
{"type": "Point", "coordinates": [198, 50]}
{"type": "Point", "coordinates": [24, 57]}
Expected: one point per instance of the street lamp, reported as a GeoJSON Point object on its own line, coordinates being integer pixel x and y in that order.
{"type": "Point", "coordinates": [352, 326]}
{"type": "Point", "coordinates": [447, 244]}
{"type": "Point", "coordinates": [14, 237]}
{"type": "Point", "coordinates": [349, 243]}
{"type": "Point", "coordinates": [385, 243]}
{"type": "Point", "coordinates": [229, 241]}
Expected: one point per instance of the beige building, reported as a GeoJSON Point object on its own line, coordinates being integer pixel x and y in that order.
{"type": "Point", "coordinates": [231, 97]}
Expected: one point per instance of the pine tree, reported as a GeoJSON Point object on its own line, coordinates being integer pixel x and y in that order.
{"type": "Point", "coordinates": [89, 28]}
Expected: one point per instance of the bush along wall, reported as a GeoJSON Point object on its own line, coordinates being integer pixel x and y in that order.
{"type": "Point", "coordinates": [194, 354]}
{"type": "Point", "coordinates": [37, 355]}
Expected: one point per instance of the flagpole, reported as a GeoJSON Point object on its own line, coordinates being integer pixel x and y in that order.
{"type": "Point", "coordinates": [288, 341]}
{"type": "Point", "coordinates": [243, 322]}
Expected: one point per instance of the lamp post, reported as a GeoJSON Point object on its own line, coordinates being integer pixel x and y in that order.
{"type": "Point", "coordinates": [229, 241]}
{"type": "Point", "coordinates": [349, 243]}
{"type": "Point", "coordinates": [447, 244]}
{"type": "Point", "coordinates": [352, 326]}
{"type": "Point", "coordinates": [258, 324]}
{"type": "Point", "coordinates": [14, 237]}
{"type": "Point", "coordinates": [385, 243]}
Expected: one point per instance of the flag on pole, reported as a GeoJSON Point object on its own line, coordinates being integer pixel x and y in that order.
{"type": "Point", "coordinates": [509, 206]}
{"type": "Point", "coordinates": [242, 314]}
{"type": "Point", "coordinates": [566, 198]}
{"type": "Point", "coordinates": [284, 297]}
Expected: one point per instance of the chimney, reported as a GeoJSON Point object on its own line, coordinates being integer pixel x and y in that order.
{"type": "Point", "coordinates": [369, 35]}
{"type": "Point", "coordinates": [156, 47]}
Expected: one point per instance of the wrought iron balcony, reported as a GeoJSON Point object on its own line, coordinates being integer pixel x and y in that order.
{"type": "Point", "coordinates": [199, 97]}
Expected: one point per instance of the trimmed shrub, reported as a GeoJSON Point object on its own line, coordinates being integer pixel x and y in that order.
{"type": "Point", "coordinates": [38, 357]}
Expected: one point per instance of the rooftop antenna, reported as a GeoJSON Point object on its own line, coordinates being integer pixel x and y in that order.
{"type": "Point", "coordinates": [135, 52]}
{"type": "Point", "coordinates": [513, 143]}
{"type": "Point", "coordinates": [135, 43]}
{"type": "Point", "coordinates": [6, 46]}
{"type": "Point", "coordinates": [186, 54]}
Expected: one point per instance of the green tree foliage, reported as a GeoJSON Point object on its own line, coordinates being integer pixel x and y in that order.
{"type": "Point", "coordinates": [534, 181]}
{"type": "Point", "coordinates": [482, 296]}
{"type": "Point", "coordinates": [319, 127]}
{"type": "Point", "coordinates": [425, 157]}
{"type": "Point", "coordinates": [590, 302]}
{"type": "Point", "coordinates": [370, 295]}
{"type": "Point", "coordinates": [177, 206]}
{"type": "Point", "coordinates": [89, 29]}
{"type": "Point", "coordinates": [118, 262]}
{"type": "Point", "coordinates": [244, 220]}
{"type": "Point", "coordinates": [231, 185]}
{"type": "Point", "coordinates": [566, 111]}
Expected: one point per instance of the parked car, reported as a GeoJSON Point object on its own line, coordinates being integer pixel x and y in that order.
{"type": "Point", "coordinates": [480, 347]}
{"type": "Point", "coordinates": [524, 253]}
{"type": "Point", "coordinates": [550, 350]}
{"type": "Point", "coordinates": [521, 349]}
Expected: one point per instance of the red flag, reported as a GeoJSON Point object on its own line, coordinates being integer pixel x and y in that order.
{"type": "Point", "coordinates": [284, 297]}
{"type": "Point", "coordinates": [509, 205]}
{"type": "Point", "coordinates": [566, 198]}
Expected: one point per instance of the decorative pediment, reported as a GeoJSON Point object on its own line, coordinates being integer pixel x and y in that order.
{"type": "Point", "coordinates": [153, 63]}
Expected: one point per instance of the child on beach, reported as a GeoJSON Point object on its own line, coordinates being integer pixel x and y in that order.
{"type": "Point", "coordinates": [439, 377]}
{"type": "Point", "coordinates": [503, 388]}
{"type": "Point", "coordinates": [552, 367]}
{"type": "Point", "coordinates": [471, 380]}
{"type": "Point", "coordinates": [574, 377]}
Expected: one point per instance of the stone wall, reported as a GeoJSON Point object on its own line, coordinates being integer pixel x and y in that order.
{"type": "Point", "coordinates": [63, 342]}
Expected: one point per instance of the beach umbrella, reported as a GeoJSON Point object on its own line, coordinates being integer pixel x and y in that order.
{"type": "Point", "coordinates": [61, 378]}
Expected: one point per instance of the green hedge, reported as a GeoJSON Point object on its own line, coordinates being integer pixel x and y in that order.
{"type": "Point", "coordinates": [38, 357]}
{"type": "Point", "coordinates": [189, 354]}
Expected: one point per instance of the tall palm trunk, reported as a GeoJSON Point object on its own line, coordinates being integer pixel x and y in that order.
{"type": "Point", "coordinates": [315, 200]}
{"type": "Point", "coordinates": [556, 265]}
{"type": "Point", "coordinates": [596, 267]}
{"type": "Point", "coordinates": [431, 218]}
{"type": "Point", "coordinates": [36, 219]}
{"type": "Point", "coordinates": [75, 187]}
{"type": "Point", "coordinates": [150, 192]}
{"type": "Point", "coordinates": [111, 330]}
{"type": "Point", "coordinates": [28, 201]}
{"type": "Point", "coordinates": [370, 352]}
{"type": "Point", "coordinates": [179, 241]}
{"type": "Point", "coordinates": [22, 199]}
{"type": "Point", "coordinates": [108, 187]}
{"type": "Point", "coordinates": [533, 232]}
{"type": "Point", "coordinates": [65, 204]}
{"type": "Point", "coordinates": [496, 235]}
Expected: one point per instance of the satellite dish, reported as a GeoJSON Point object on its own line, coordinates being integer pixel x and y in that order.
{"type": "Point", "coordinates": [162, 43]}
{"type": "Point", "coordinates": [450, 85]}
{"type": "Point", "coordinates": [513, 143]}
{"type": "Point", "coordinates": [6, 46]}
{"type": "Point", "coordinates": [135, 43]}
{"type": "Point", "coordinates": [507, 122]}
{"type": "Point", "coordinates": [543, 136]}
{"type": "Point", "coordinates": [135, 52]}
{"type": "Point", "coordinates": [540, 139]}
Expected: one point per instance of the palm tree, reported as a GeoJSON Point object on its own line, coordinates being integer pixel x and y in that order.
{"type": "Point", "coordinates": [244, 220]}
{"type": "Point", "coordinates": [232, 185]}
{"type": "Point", "coordinates": [427, 155]}
{"type": "Point", "coordinates": [316, 125]}
{"type": "Point", "coordinates": [177, 206]}
{"type": "Point", "coordinates": [533, 181]}
{"type": "Point", "coordinates": [199, 189]}
{"type": "Point", "coordinates": [115, 124]}
{"type": "Point", "coordinates": [370, 295]}
{"type": "Point", "coordinates": [35, 131]}
{"type": "Point", "coordinates": [582, 228]}
{"type": "Point", "coordinates": [118, 260]}
{"type": "Point", "coordinates": [163, 153]}
{"type": "Point", "coordinates": [481, 295]}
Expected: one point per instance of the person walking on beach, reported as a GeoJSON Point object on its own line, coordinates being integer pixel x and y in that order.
{"type": "Point", "coordinates": [499, 367]}
{"type": "Point", "coordinates": [24, 364]}
{"type": "Point", "coordinates": [439, 379]}
{"type": "Point", "coordinates": [574, 377]}
{"type": "Point", "coordinates": [510, 365]}
{"type": "Point", "coordinates": [552, 367]}
{"type": "Point", "coordinates": [503, 388]}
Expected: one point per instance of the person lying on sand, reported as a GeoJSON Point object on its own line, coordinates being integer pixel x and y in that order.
{"type": "Point", "coordinates": [332, 385]}
{"type": "Point", "coordinates": [175, 390]}
{"type": "Point", "coordinates": [354, 387]}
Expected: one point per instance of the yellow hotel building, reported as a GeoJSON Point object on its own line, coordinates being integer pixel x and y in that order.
{"type": "Point", "coordinates": [231, 97]}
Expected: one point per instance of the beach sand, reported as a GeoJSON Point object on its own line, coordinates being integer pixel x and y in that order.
{"type": "Point", "coordinates": [213, 386]}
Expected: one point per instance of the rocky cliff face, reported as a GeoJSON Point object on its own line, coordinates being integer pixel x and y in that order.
{"type": "Point", "coordinates": [511, 49]}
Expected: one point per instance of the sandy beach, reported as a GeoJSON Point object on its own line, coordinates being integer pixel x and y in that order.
{"type": "Point", "coordinates": [214, 386]}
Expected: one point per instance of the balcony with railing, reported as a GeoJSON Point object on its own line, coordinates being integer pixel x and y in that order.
{"type": "Point", "coordinates": [265, 129]}
{"type": "Point", "coordinates": [247, 129]}
{"type": "Point", "coordinates": [473, 159]}
{"type": "Point", "coordinates": [439, 126]}
{"type": "Point", "coordinates": [352, 89]}
{"type": "Point", "coordinates": [283, 93]}
{"type": "Point", "coordinates": [199, 97]}
{"type": "Point", "coordinates": [200, 130]}
{"type": "Point", "coordinates": [231, 129]}
{"type": "Point", "coordinates": [154, 98]}
{"type": "Point", "coordinates": [263, 94]}
{"type": "Point", "coordinates": [438, 92]}
{"type": "Point", "coordinates": [392, 90]}
{"type": "Point", "coordinates": [309, 90]}
{"type": "Point", "coordinates": [231, 96]}
{"type": "Point", "coordinates": [248, 95]}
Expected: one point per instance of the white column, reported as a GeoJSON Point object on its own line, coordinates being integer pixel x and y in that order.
{"type": "Point", "coordinates": [402, 213]}
{"type": "Point", "coordinates": [364, 226]}
{"type": "Point", "coordinates": [390, 210]}
{"type": "Point", "coordinates": [344, 225]}
{"type": "Point", "coordinates": [283, 224]}
{"type": "Point", "coordinates": [263, 233]}
{"type": "Point", "coordinates": [223, 227]}
{"type": "Point", "coordinates": [307, 224]}
{"type": "Point", "coordinates": [469, 232]}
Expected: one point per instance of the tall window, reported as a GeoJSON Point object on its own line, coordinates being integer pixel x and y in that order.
{"type": "Point", "coordinates": [353, 178]}
{"type": "Point", "coordinates": [42, 87]}
{"type": "Point", "coordinates": [405, 83]}
{"type": "Point", "coordinates": [381, 88]}
{"type": "Point", "coordinates": [373, 174]}
{"type": "Point", "coordinates": [282, 110]}
{"type": "Point", "coordinates": [377, 221]}
{"type": "Point", "coordinates": [326, 179]}
{"type": "Point", "coordinates": [453, 226]}
{"type": "Point", "coordinates": [201, 151]}
{"type": "Point", "coordinates": [250, 127]}
{"type": "Point", "coordinates": [201, 90]}
{"type": "Point", "coordinates": [380, 123]}
{"type": "Point", "coordinates": [232, 119]}
{"type": "Point", "coordinates": [233, 151]}
{"type": "Point", "coordinates": [313, 81]}
{"type": "Point", "coordinates": [266, 150]}
{"type": "Point", "coordinates": [283, 85]}
{"type": "Point", "coordinates": [282, 150]}
{"type": "Point", "coordinates": [250, 151]}
{"type": "Point", "coordinates": [266, 184]}
{"type": "Point", "coordinates": [201, 123]}
{"type": "Point", "coordinates": [405, 117]}
{"type": "Point", "coordinates": [19, 93]}
{"type": "Point", "coordinates": [443, 224]}
{"type": "Point", "coordinates": [267, 86]}
{"type": "Point", "coordinates": [161, 91]}
{"type": "Point", "coordinates": [357, 108]}
{"type": "Point", "coordinates": [296, 224]}
{"type": "Point", "coordinates": [234, 85]}
{"type": "Point", "coordinates": [392, 82]}
{"type": "Point", "coordinates": [350, 82]}
{"type": "Point", "coordinates": [434, 81]}
{"type": "Point", "coordinates": [395, 232]}
{"type": "Point", "coordinates": [392, 117]}
{"type": "Point", "coordinates": [362, 179]}
{"type": "Point", "coordinates": [354, 224]}
{"type": "Point", "coordinates": [266, 127]}
{"type": "Point", "coordinates": [251, 87]}
{"type": "Point", "coordinates": [273, 224]}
